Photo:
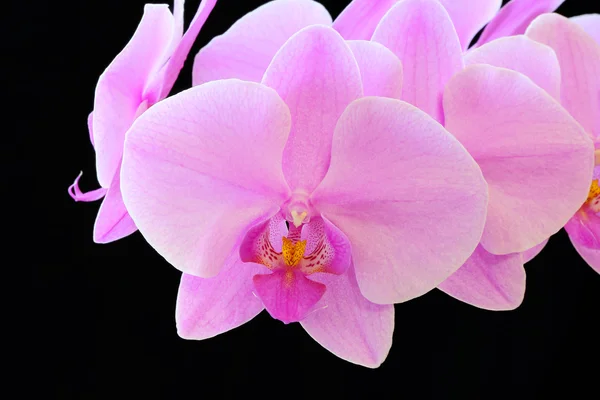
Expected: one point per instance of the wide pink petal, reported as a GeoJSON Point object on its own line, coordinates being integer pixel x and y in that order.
{"type": "Point", "coordinates": [590, 23]}
{"type": "Point", "coordinates": [421, 34]}
{"type": "Point", "coordinates": [579, 58]}
{"type": "Point", "coordinates": [530, 254]}
{"type": "Point", "coordinates": [247, 48]}
{"type": "Point", "coordinates": [121, 86]}
{"type": "Point", "coordinates": [589, 254]}
{"type": "Point", "coordinates": [534, 156]}
{"type": "Point", "coordinates": [536, 61]}
{"type": "Point", "coordinates": [202, 166]}
{"type": "Point", "coordinates": [470, 16]}
{"type": "Point", "coordinates": [207, 307]}
{"type": "Point", "coordinates": [348, 325]}
{"type": "Point", "coordinates": [488, 281]}
{"type": "Point", "coordinates": [380, 69]}
{"type": "Point", "coordinates": [360, 18]}
{"type": "Point", "coordinates": [113, 221]}
{"type": "Point", "coordinates": [326, 247]}
{"type": "Point", "coordinates": [288, 295]}
{"type": "Point", "coordinates": [407, 195]}
{"type": "Point", "coordinates": [317, 76]}
{"type": "Point", "coordinates": [515, 17]}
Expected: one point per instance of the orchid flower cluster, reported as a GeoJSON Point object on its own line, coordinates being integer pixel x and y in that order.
{"type": "Point", "coordinates": [327, 170]}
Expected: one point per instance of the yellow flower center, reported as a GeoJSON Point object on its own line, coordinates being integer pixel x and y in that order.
{"type": "Point", "coordinates": [292, 252]}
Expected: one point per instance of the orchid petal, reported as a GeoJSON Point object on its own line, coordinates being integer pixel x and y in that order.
{"type": "Point", "coordinates": [288, 295]}
{"type": "Point", "coordinates": [470, 16]}
{"type": "Point", "coordinates": [113, 221]}
{"type": "Point", "coordinates": [360, 18]}
{"type": "Point", "coordinates": [407, 195]}
{"type": "Point", "coordinates": [247, 48]}
{"type": "Point", "coordinates": [202, 166]}
{"type": "Point", "coordinates": [77, 195]}
{"type": "Point", "coordinates": [515, 17]}
{"type": "Point", "coordinates": [590, 23]}
{"type": "Point", "coordinates": [121, 86]}
{"type": "Point", "coordinates": [348, 325]}
{"type": "Point", "coordinates": [534, 156]}
{"type": "Point", "coordinates": [380, 69]}
{"type": "Point", "coordinates": [590, 255]}
{"type": "Point", "coordinates": [488, 281]}
{"type": "Point", "coordinates": [536, 61]}
{"type": "Point", "coordinates": [421, 34]}
{"type": "Point", "coordinates": [207, 307]}
{"type": "Point", "coordinates": [171, 70]}
{"type": "Point", "coordinates": [317, 76]}
{"type": "Point", "coordinates": [579, 58]}
{"type": "Point", "coordinates": [530, 254]}
{"type": "Point", "coordinates": [90, 124]}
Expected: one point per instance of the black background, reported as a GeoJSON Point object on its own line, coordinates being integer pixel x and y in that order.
{"type": "Point", "coordinates": [101, 319]}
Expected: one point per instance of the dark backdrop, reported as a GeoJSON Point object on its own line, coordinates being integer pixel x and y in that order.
{"type": "Point", "coordinates": [102, 321]}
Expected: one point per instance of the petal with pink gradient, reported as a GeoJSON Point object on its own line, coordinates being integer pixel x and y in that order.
{"type": "Point", "coordinates": [515, 17]}
{"type": "Point", "coordinates": [207, 307]}
{"type": "Point", "coordinates": [169, 73]}
{"type": "Point", "coordinates": [590, 23]}
{"type": "Point", "coordinates": [202, 166]}
{"type": "Point", "coordinates": [470, 16]}
{"type": "Point", "coordinates": [121, 86]}
{"type": "Point", "coordinates": [536, 159]}
{"type": "Point", "coordinates": [360, 18]}
{"type": "Point", "coordinates": [348, 325]}
{"type": "Point", "coordinates": [421, 34]}
{"type": "Point", "coordinates": [317, 76]}
{"type": "Point", "coordinates": [288, 295]}
{"type": "Point", "coordinates": [380, 69]}
{"type": "Point", "coordinates": [327, 248]}
{"type": "Point", "coordinates": [113, 222]}
{"type": "Point", "coordinates": [579, 58]}
{"type": "Point", "coordinates": [536, 61]}
{"type": "Point", "coordinates": [590, 255]}
{"type": "Point", "coordinates": [407, 195]}
{"type": "Point", "coordinates": [247, 48]}
{"type": "Point", "coordinates": [488, 281]}
{"type": "Point", "coordinates": [530, 254]}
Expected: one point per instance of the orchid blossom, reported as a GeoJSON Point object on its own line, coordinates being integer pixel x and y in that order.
{"type": "Point", "coordinates": [566, 52]}
{"type": "Point", "coordinates": [302, 196]}
{"type": "Point", "coordinates": [140, 76]}
{"type": "Point", "coordinates": [535, 157]}
{"type": "Point", "coordinates": [576, 43]}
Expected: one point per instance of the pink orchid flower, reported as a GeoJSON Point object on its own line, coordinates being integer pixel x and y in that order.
{"type": "Point", "coordinates": [301, 196]}
{"type": "Point", "coordinates": [535, 157]}
{"type": "Point", "coordinates": [140, 76]}
{"type": "Point", "coordinates": [576, 44]}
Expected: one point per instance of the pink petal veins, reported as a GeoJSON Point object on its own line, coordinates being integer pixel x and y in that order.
{"type": "Point", "coordinates": [203, 166]}
{"type": "Point", "coordinates": [246, 49]}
